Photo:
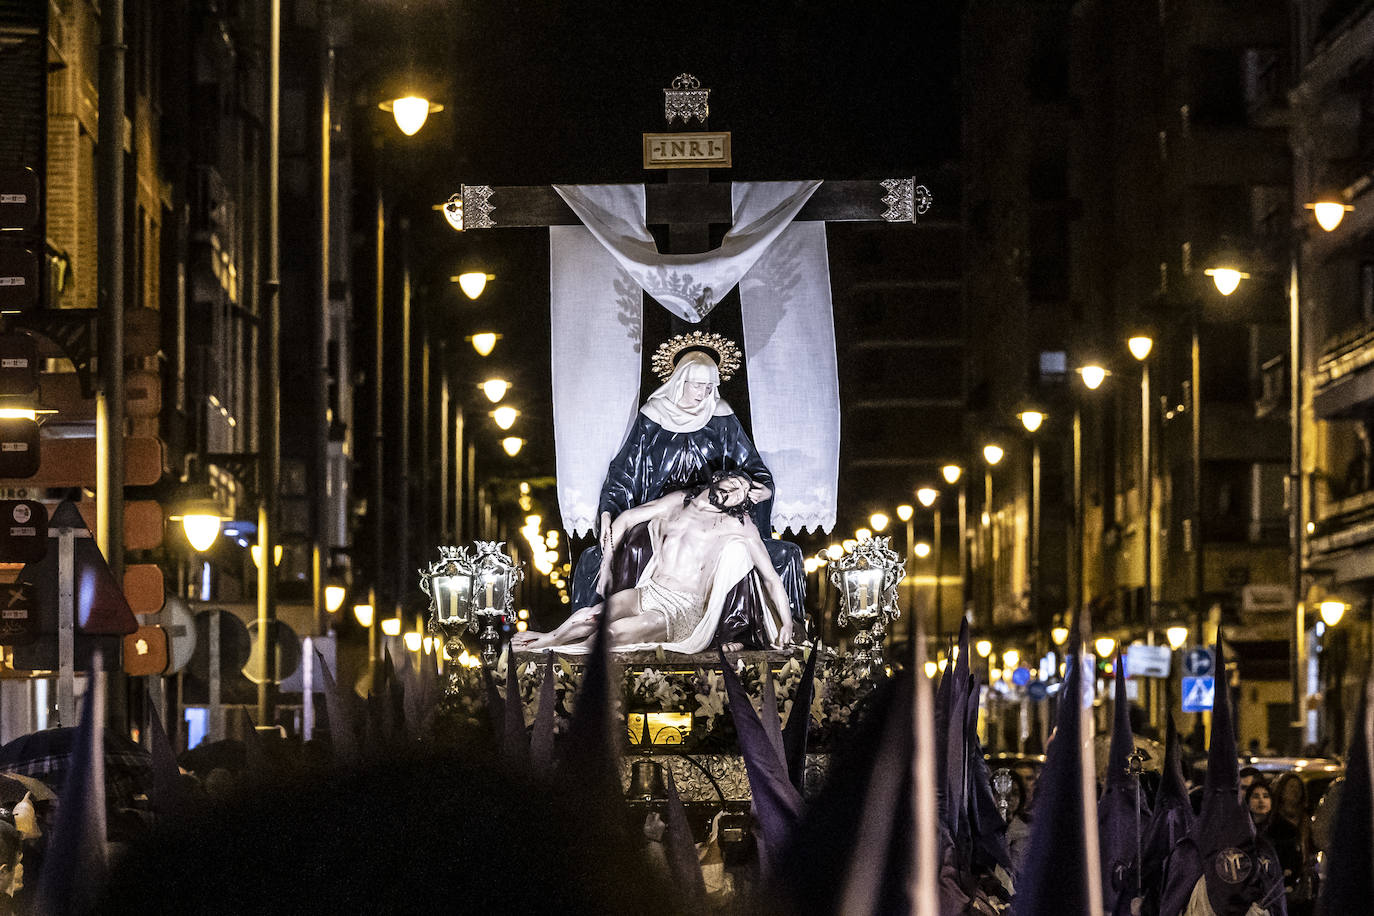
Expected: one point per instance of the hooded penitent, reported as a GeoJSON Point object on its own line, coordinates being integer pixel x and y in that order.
{"type": "Point", "coordinates": [1121, 810]}
{"type": "Point", "coordinates": [1170, 822]}
{"type": "Point", "coordinates": [1223, 858]}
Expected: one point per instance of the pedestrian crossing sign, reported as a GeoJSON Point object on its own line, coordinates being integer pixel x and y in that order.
{"type": "Point", "coordinates": [1197, 694]}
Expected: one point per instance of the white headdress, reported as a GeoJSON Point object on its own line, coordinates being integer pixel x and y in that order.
{"type": "Point", "coordinates": [663, 405]}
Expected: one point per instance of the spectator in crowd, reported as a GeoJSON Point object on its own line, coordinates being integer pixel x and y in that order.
{"type": "Point", "coordinates": [1290, 807]}
{"type": "Point", "coordinates": [1259, 800]}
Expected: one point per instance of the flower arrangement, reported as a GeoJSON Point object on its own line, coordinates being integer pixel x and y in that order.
{"type": "Point", "coordinates": [700, 691]}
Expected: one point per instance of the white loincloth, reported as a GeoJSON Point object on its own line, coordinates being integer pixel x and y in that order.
{"type": "Point", "coordinates": [681, 611]}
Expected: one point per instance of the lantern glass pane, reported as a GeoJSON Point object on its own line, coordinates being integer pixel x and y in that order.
{"type": "Point", "coordinates": [863, 591]}
{"type": "Point", "coordinates": [452, 598]}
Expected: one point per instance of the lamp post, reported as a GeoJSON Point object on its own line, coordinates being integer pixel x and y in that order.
{"type": "Point", "coordinates": [907, 513]}
{"type": "Point", "coordinates": [1032, 420]}
{"type": "Point", "coordinates": [1140, 346]}
{"type": "Point", "coordinates": [992, 456]}
{"type": "Point", "coordinates": [1092, 375]}
{"type": "Point", "coordinates": [929, 497]}
{"type": "Point", "coordinates": [954, 474]}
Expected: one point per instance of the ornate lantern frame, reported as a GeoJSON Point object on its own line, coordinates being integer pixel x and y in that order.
{"type": "Point", "coordinates": [492, 579]}
{"type": "Point", "coordinates": [867, 579]}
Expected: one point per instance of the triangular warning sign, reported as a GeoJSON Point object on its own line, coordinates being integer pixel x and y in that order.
{"type": "Point", "coordinates": [99, 604]}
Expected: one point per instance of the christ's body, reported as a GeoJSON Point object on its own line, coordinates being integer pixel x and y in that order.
{"type": "Point", "coordinates": [669, 603]}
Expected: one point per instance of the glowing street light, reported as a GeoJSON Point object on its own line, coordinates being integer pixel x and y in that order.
{"type": "Point", "coordinates": [505, 416]}
{"type": "Point", "coordinates": [1176, 635]}
{"type": "Point", "coordinates": [879, 521]}
{"type": "Point", "coordinates": [495, 389]}
{"type": "Point", "coordinates": [472, 282]}
{"type": "Point", "coordinates": [1093, 376]}
{"type": "Point", "coordinates": [1140, 346]}
{"type": "Point", "coordinates": [862, 534]}
{"type": "Point", "coordinates": [1226, 278]}
{"type": "Point", "coordinates": [484, 342]}
{"type": "Point", "coordinates": [904, 512]}
{"type": "Point", "coordinates": [1059, 635]}
{"type": "Point", "coordinates": [1104, 646]}
{"type": "Point", "coordinates": [391, 626]}
{"type": "Point", "coordinates": [201, 520]}
{"type": "Point", "coordinates": [922, 550]}
{"type": "Point", "coordinates": [992, 453]}
{"type": "Point", "coordinates": [1032, 420]}
{"type": "Point", "coordinates": [983, 647]}
{"type": "Point", "coordinates": [334, 597]}
{"type": "Point", "coordinates": [1331, 612]}
{"type": "Point", "coordinates": [364, 614]}
{"type": "Point", "coordinates": [926, 496]}
{"type": "Point", "coordinates": [951, 473]}
{"type": "Point", "coordinates": [512, 445]}
{"type": "Point", "coordinates": [1329, 211]}
{"type": "Point", "coordinates": [411, 112]}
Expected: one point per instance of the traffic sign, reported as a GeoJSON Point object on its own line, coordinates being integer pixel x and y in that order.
{"type": "Point", "coordinates": [1197, 694]}
{"type": "Point", "coordinates": [23, 531]}
{"type": "Point", "coordinates": [1199, 661]}
{"type": "Point", "coordinates": [1147, 661]}
{"type": "Point", "coordinates": [1037, 690]}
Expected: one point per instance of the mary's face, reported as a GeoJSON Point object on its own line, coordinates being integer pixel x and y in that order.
{"type": "Point", "coordinates": [693, 393]}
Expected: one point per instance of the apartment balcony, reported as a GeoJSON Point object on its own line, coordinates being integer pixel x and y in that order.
{"type": "Point", "coordinates": [1275, 395]}
{"type": "Point", "coordinates": [1343, 544]}
{"type": "Point", "coordinates": [1343, 382]}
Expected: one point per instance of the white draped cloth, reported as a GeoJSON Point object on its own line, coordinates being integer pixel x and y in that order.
{"type": "Point", "coordinates": [597, 273]}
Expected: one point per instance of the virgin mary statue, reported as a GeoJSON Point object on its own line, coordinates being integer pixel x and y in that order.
{"type": "Point", "coordinates": [683, 434]}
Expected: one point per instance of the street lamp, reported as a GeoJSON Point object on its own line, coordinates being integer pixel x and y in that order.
{"type": "Point", "coordinates": [495, 389]}
{"type": "Point", "coordinates": [201, 520]}
{"type": "Point", "coordinates": [1093, 376]}
{"type": "Point", "coordinates": [1140, 346]}
{"type": "Point", "coordinates": [983, 647]}
{"type": "Point", "coordinates": [926, 496]}
{"type": "Point", "coordinates": [334, 595]}
{"type": "Point", "coordinates": [1104, 645]}
{"type": "Point", "coordinates": [512, 445]}
{"type": "Point", "coordinates": [992, 455]}
{"type": "Point", "coordinates": [905, 512]}
{"type": "Point", "coordinates": [364, 614]}
{"type": "Point", "coordinates": [922, 550]}
{"type": "Point", "coordinates": [954, 474]}
{"type": "Point", "coordinates": [879, 521]}
{"type": "Point", "coordinates": [1059, 635]}
{"type": "Point", "coordinates": [951, 473]}
{"type": "Point", "coordinates": [505, 416]}
{"type": "Point", "coordinates": [1032, 420]}
{"type": "Point", "coordinates": [1329, 209]}
{"type": "Point", "coordinates": [1332, 611]}
{"type": "Point", "coordinates": [484, 342]}
{"type": "Point", "coordinates": [410, 112]}
{"type": "Point", "coordinates": [1226, 279]}
{"type": "Point", "coordinates": [472, 282]}
{"type": "Point", "coordinates": [1176, 635]}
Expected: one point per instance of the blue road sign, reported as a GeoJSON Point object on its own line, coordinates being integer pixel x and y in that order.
{"type": "Point", "coordinates": [1037, 690]}
{"type": "Point", "coordinates": [1021, 676]}
{"type": "Point", "coordinates": [1197, 694]}
{"type": "Point", "coordinates": [1198, 662]}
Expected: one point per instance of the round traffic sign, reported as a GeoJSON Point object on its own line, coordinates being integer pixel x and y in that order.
{"type": "Point", "coordinates": [1198, 662]}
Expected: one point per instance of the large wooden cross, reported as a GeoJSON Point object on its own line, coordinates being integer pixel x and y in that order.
{"type": "Point", "coordinates": [688, 204]}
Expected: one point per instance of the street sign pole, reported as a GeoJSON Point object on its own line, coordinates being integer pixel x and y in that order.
{"type": "Point", "coordinates": [66, 626]}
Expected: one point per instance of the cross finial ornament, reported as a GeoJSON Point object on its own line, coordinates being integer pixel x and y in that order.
{"type": "Point", "coordinates": [686, 99]}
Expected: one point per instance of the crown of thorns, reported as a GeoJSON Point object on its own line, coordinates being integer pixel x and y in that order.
{"type": "Point", "coordinates": [723, 350]}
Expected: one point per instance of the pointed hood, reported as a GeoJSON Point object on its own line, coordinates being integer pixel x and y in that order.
{"type": "Point", "coordinates": [1054, 879]}
{"type": "Point", "coordinates": [541, 738]}
{"type": "Point", "coordinates": [851, 852]}
{"type": "Point", "coordinates": [166, 792]}
{"type": "Point", "coordinates": [1238, 868]}
{"type": "Point", "coordinates": [516, 743]}
{"type": "Point", "coordinates": [988, 830]}
{"type": "Point", "coordinates": [798, 722]}
{"type": "Point", "coordinates": [777, 803]}
{"type": "Point", "coordinates": [681, 852]}
{"type": "Point", "coordinates": [954, 805]}
{"type": "Point", "coordinates": [1121, 811]}
{"type": "Point", "coordinates": [1171, 820]}
{"type": "Point", "coordinates": [343, 722]}
{"type": "Point", "coordinates": [75, 866]}
{"type": "Point", "coordinates": [591, 755]}
{"type": "Point", "coordinates": [1349, 884]}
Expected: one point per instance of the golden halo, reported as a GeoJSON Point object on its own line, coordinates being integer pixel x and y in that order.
{"type": "Point", "coordinates": [723, 349]}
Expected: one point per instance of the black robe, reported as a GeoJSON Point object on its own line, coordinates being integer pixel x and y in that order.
{"type": "Point", "coordinates": [654, 461]}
